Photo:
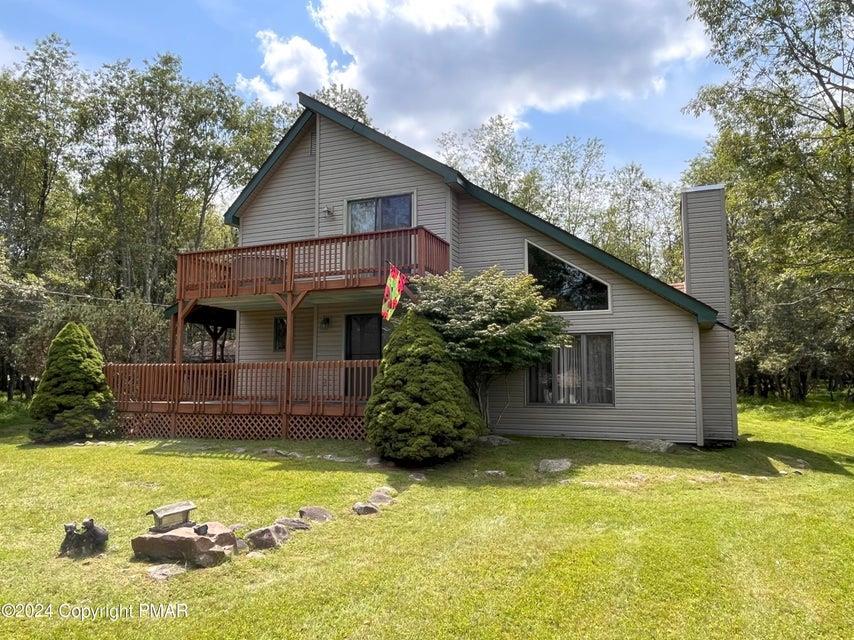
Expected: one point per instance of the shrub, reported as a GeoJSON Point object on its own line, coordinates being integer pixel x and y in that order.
{"type": "Point", "coordinates": [493, 324]}
{"type": "Point", "coordinates": [420, 409]}
{"type": "Point", "coordinates": [72, 400]}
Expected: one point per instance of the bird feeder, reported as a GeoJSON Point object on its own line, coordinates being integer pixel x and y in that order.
{"type": "Point", "coordinates": [172, 516]}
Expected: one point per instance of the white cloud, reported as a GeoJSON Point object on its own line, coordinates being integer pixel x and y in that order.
{"type": "Point", "coordinates": [443, 64]}
{"type": "Point", "coordinates": [292, 65]}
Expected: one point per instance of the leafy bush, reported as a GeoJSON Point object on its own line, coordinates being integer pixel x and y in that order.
{"type": "Point", "coordinates": [420, 409]}
{"type": "Point", "coordinates": [493, 323]}
{"type": "Point", "coordinates": [72, 400]}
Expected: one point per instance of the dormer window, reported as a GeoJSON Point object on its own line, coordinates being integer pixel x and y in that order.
{"type": "Point", "coordinates": [378, 214]}
{"type": "Point", "coordinates": [572, 288]}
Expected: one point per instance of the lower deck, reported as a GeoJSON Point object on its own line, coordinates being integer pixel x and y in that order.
{"type": "Point", "coordinates": [256, 400]}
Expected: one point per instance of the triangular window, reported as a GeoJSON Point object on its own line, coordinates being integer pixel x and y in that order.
{"type": "Point", "coordinates": [572, 288]}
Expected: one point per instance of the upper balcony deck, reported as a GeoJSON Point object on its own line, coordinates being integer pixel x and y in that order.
{"type": "Point", "coordinates": [334, 262]}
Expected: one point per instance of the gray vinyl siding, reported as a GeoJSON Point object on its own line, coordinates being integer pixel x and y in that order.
{"type": "Point", "coordinates": [353, 167]}
{"type": "Point", "coordinates": [455, 228]}
{"type": "Point", "coordinates": [707, 278]}
{"type": "Point", "coordinates": [330, 341]}
{"type": "Point", "coordinates": [653, 344]}
{"type": "Point", "coordinates": [255, 335]}
{"type": "Point", "coordinates": [283, 208]}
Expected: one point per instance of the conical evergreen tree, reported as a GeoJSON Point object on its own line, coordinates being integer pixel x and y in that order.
{"type": "Point", "coordinates": [73, 399]}
{"type": "Point", "coordinates": [420, 410]}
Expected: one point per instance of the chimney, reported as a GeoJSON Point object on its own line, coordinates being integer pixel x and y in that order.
{"type": "Point", "coordinates": [705, 249]}
{"type": "Point", "coordinates": [706, 253]}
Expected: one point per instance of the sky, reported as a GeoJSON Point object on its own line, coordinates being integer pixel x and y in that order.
{"type": "Point", "coordinates": [619, 70]}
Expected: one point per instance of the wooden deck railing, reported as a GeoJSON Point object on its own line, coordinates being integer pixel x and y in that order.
{"type": "Point", "coordinates": [333, 387]}
{"type": "Point", "coordinates": [345, 261]}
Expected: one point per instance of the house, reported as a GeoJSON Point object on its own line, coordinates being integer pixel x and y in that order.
{"type": "Point", "coordinates": [331, 207]}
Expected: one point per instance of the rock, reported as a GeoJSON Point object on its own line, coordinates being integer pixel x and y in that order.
{"type": "Point", "coordinates": [495, 440]}
{"type": "Point", "coordinates": [220, 534]}
{"type": "Point", "coordinates": [296, 455]}
{"type": "Point", "coordinates": [495, 473]}
{"type": "Point", "coordinates": [241, 546]}
{"type": "Point", "coordinates": [652, 446]}
{"type": "Point", "coordinates": [389, 491]}
{"type": "Point", "coordinates": [379, 498]}
{"type": "Point", "coordinates": [179, 544]}
{"type": "Point", "coordinates": [417, 476]}
{"type": "Point", "coordinates": [365, 508]}
{"type": "Point", "coordinates": [162, 572]}
{"type": "Point", "coordinates": [555, 465]}
{"type": "Point", "coordinates": [255, 554]}
{"type": "Point", "coordinates": [213, 556]}
{"type": "Point", "coordinates": [783, 472]}
{"type": "Point", "coordinates": [237, 527]}
{"type": "Point", "coordinates": [315, 514]}
{"type": "Point", "coordinates": [331, 457]}
{"type": "Point", "coordinates": [269, 451]}
{"type": "Point", "coordinates": [267, 537]}
{"type": "Point", "coordinates": [798, 472]}
{"type": "Point", "coordinates": [294, 524]}
{"type": "Point", "coordinates": [565, 481]}
{"type": "Point", "coordinates": [373, 461]}
{"type": "Point", "coordinates": [239, 450]}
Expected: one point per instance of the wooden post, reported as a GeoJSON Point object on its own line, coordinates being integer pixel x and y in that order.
{"type": "Point", "coordinates": [179, 334]}
{"type": "Point", "coordinates": [173, 328]}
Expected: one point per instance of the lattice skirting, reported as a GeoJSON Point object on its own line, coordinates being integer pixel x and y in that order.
{"type": "Point", "coordinates": [240, 426]}
{"type": "Point", "coordinates": [333, 427]}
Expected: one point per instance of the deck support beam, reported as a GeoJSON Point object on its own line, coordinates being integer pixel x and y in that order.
{"type": "Point", "coordinates": [184, 310]}
{"type": "Point", "coordinates": [289, 303]}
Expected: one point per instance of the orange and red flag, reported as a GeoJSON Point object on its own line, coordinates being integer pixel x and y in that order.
{"type": "Point", "coordinates": [393, 290]}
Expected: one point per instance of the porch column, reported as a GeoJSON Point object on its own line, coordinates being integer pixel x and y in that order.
{"type": "Point", "coordinates": [184, 310]}
{"type": "Point", "coordinates": [173, 329]}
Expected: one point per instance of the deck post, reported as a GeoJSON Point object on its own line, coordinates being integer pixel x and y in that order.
{"type": "Point", "coordinates": [173, 329]}
{"type": "Point", "coordinates": [179, 334]}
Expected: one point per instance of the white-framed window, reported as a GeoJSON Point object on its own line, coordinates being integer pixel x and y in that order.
{"type": "Point", "coordinates": [573, 289]}
{"type": "Point", "coordinates": [377, 214]}
{"type": "Point", "coordinates": [581, 373]}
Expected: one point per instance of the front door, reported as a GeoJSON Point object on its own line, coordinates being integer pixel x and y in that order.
{"type": "Point", "coordinates": [363, 341]}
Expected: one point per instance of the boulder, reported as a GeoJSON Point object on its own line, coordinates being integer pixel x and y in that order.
{"type": "Point", "coordinates": [315, 514]}
{"type": "Point", "coordinates": [294, 524]}
{"type": "Point", "coordinates": [495, 440]}
{"type": "Point", "coordinates": [417, 476]}
{"type": "Point", "coordinates": [179, 544]}
{"type": "Point", "coordinates": [652, 446]}
{"type": "Point", "coordinates": [495, 473]}
{"type": "Point", "coordinates": [373, 461]}
{"type": "Point", "coordinates": [379, 498]}
{"type": "Point", "coordinates": [555, 465]}
{"type": "Point", "coordinates": [331, 457]}
{"type": "Point", "coordinates": [213, 556]}
{"type": "Point", "coordinates": [389, 491]}
{"type": "Point", "coordinates": [267, 537]}
{"type": "Point", "coordinates": [365, 508]}
{"type": "Point", "coordinates": [162, 572]}
{"type": "Point", "coordinates": [220, 534]}
{"type": "Point", "coordinates": [241, 546]}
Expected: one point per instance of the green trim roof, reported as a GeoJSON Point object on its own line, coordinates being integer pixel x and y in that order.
{"type": "Point", "coordinates": [706, 315]}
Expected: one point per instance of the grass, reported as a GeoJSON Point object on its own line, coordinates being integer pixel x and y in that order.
{"type": "Point", "coordinates": [694, 544]}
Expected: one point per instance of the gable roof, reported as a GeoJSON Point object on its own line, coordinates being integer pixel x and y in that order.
{"type": "Point", "coordinates": [706, 315]}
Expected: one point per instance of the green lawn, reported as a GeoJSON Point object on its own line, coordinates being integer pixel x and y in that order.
{"type": "Point", "coordinates": [694, 544]}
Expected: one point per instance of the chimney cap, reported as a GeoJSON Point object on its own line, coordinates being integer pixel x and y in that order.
{"type": "Point", "coordinates": [704, 187]}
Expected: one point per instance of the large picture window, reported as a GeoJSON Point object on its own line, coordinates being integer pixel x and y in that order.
{"type": "Point", "coordinates": [377, 214]}
{"type": "Point", "coordinates": [580, 373]}
{"type": "Point", "coordinates": [572, 288]}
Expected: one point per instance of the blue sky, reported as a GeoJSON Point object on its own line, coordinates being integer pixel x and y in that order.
{"type": "Point", "coordinates": [620, 70]}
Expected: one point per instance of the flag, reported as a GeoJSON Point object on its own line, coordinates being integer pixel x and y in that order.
{"type": "Point", "coordinates": [393, 288]}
